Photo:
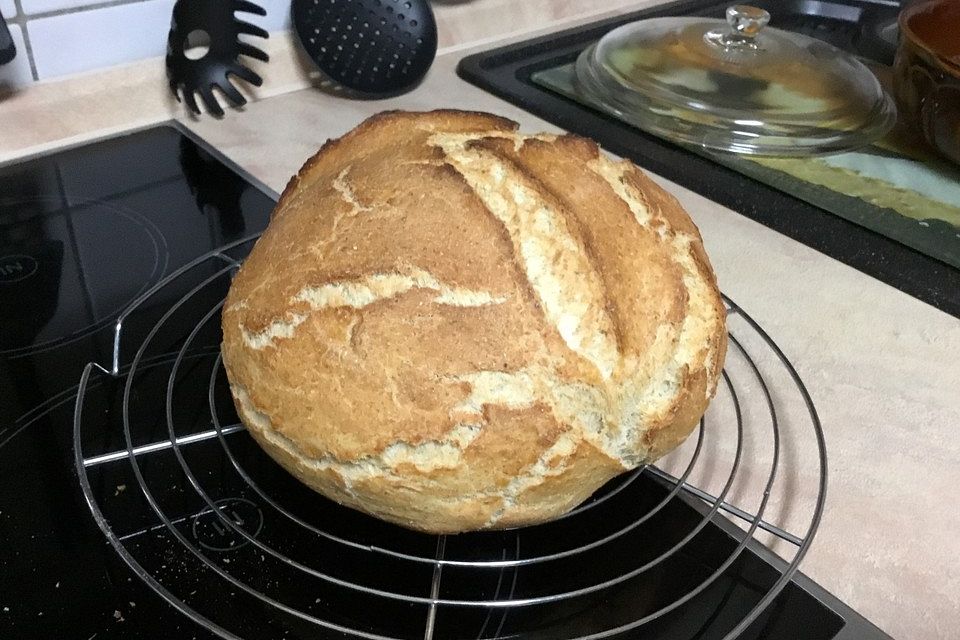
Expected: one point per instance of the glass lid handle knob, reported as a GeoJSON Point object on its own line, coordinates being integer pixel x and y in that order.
{"type": "Point", "coordinates": [745, 22]}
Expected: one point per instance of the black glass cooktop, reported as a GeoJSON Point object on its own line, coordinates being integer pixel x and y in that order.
{"type": "Point", "coordinates": [133, 504]}
{"type": "Point", "coordinates": [83, 233]}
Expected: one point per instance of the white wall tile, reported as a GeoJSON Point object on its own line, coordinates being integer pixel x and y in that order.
{"type": "Point", "coordinates": [8, 8]}
{"type": "Point", "coordinates": [277, 18]}
{"type": "Point", "coordinates": [85, 40]}
{"type": "Point", "coordinates": [42, 6]}
{"type": "Point", "coordinates": [89, 39]}
{"type": "Point", "coordinates": [16, 73]}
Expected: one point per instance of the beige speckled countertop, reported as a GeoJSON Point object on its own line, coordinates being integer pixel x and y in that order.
{"type": "Point", "coordinates": [882, 368]}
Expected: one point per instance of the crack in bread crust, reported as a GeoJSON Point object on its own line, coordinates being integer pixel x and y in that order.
{"type": "Point", "coordinates": [345, 190]}
{"type": "Point", "coordinates": [443, 453]}
{"type": "Point", "coordinates": [380, 286]}
{"type": "Point", "coordinates": [446, 453]}
{"type": "Point", "coordinates": [361, 293]}
{"type": "Point", "coordinates": [699, 297]}
{"type": "Point", "coordinates": [549, 252]}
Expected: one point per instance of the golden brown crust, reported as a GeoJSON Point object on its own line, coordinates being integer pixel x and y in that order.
{"type": "Point", "coordinates": [453, 326]}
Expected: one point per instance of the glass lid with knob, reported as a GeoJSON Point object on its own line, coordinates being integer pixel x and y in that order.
{"type": "Point", "coordinates": [736, 86]}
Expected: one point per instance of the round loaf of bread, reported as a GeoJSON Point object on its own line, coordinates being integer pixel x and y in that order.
{"type": "Point", "coordinates": [454, 326]}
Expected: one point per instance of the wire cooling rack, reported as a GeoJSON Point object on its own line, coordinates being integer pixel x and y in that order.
{"type": "Point", "coordinates": [231, 541]}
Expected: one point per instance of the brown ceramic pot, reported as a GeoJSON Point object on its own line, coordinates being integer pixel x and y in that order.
{"type": "Point", "coordinates": [927, 72]}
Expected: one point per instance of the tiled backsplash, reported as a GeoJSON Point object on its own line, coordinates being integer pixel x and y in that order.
{"type": "Point", "coordinates": [61, 37]}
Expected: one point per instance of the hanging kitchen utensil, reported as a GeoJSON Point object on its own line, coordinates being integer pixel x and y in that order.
{"type": "Point", "coordinates": [376, 48]}
{"type": "Point", "coordinates": [211, 23]}
{"type": "Point", "coordinates": [736, 86]}
{"type": "Point", "coordinates": [8, 51]}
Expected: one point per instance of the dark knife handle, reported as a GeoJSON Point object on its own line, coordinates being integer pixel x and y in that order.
{"type": "Point", "coordinates": [7, 50]}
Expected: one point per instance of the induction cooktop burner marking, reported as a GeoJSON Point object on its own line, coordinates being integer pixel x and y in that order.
{"type": "Point", "coordinates": [209, 531]}
{"type": "Point", "coordinates": [17, 267]}
{"type": "Point", "coordinates": [69, 269]}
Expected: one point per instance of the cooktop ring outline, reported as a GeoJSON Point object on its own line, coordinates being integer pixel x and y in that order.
{"type": "Point", "coordinates": [161, 257]}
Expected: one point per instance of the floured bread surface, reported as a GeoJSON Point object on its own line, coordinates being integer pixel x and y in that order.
{"type": "Point", "coordinates": [452, 325]}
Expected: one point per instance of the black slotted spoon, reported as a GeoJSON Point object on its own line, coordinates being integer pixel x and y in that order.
{"type": "Point", "coordinates": [375, 48]}
{"type": "Point", "coordinates": [221, 63]}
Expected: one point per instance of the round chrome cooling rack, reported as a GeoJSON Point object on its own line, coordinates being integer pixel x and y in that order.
{"type": "Point", "coordinates": [230, 540]}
